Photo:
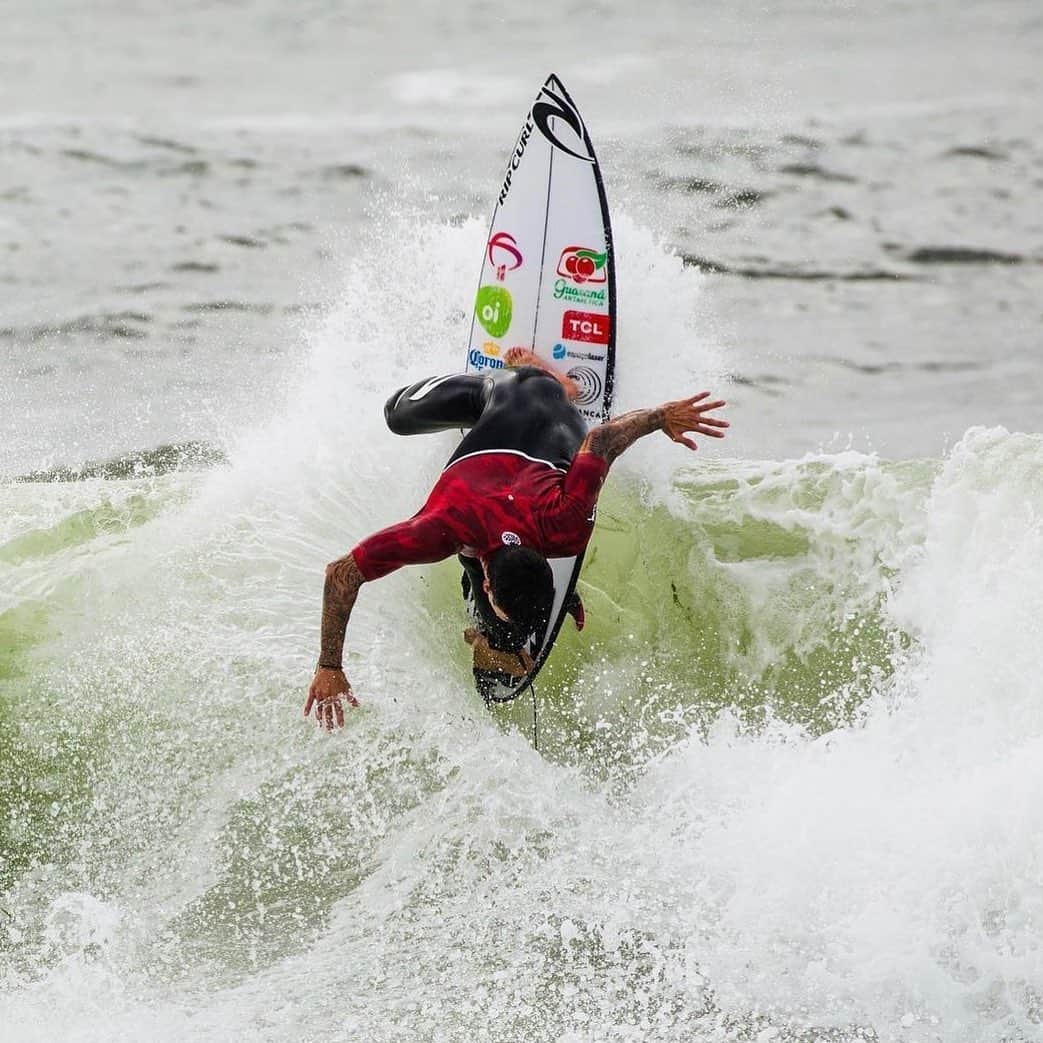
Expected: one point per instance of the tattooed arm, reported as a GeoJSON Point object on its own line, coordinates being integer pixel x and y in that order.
{"type": "Point", "coordinates": [424, 538]}
{"type": "Point", "coordinates": [329, 685]}
{"type": "Point", "coordinates": [674, 419]}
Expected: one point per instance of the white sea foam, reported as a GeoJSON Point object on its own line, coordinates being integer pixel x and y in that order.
{"type": "Point", "coordinates": [432, 874]}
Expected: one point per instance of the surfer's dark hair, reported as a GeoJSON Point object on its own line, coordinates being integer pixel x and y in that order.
{"type": "Point", "coordinates": [523, 586]}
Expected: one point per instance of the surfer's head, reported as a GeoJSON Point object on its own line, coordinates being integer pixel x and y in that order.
{"type": "Point", "coordinates": [520, 587]}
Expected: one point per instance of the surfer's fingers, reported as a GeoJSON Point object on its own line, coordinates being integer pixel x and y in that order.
{"type": "Point", "coordinates": [711, 432]}
{"type": "Point", "coordinates": [707, 407]}
{"type": "Point", "coordinates": [314, 702]}
{"type": "Point", "coordinates": [333, 710]}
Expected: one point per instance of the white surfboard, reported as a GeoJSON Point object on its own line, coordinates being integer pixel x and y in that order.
{"type": "Point", "coordinates": [548, 279]}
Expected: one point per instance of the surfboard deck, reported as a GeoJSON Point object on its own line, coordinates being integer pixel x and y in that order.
{"type": "Point", "coordinates": [548, 284]}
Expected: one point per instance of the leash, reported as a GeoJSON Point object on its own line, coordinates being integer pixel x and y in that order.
{"type": "Point", "coordinates": [535, 726]}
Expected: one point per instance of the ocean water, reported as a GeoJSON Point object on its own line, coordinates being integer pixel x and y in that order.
{"type": "Point", "coordinates": [789, 780]}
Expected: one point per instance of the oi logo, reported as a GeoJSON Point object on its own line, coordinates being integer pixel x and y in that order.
{"type": "Point", "coordinates": [493, 308]}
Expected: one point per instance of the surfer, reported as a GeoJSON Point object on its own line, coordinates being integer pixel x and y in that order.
{"type": "Point", "coordinates": [522, 486]}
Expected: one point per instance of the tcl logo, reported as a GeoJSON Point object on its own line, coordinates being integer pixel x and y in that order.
{"type": "Point", "coordinates": [586, 326]}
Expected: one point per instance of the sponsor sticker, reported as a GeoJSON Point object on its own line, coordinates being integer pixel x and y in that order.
{"type": "Point", "coordinates": [516, 158]}
{"type": "Point", "coordinates": [584, 326]}
{"type": "Point", "coordinates": [482, 361]}
{"type": "Point", "coordinates": [581, 295]}
{"type": "Point", "coordinates": [583, 265]}
{"type": "Point", "coordinates": [561, 351]}
{"type": "Point", "coordinates": [582, 275]}
{"type": "Point", "coordinates": [493, 307]}
{"type": "Point", "coordinates": [512, 539]}
{"type": "Point", "coordinates": [555, 116]}
{"type": "Point", "coordinates": [587, 356]}
{"type": "Point", "coordinates": [588, 381]}
{"type": "Point", "coordinates": [503, 253]}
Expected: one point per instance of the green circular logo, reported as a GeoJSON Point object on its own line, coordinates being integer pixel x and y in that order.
{"type": "Point", "coordinates": [493, 308]}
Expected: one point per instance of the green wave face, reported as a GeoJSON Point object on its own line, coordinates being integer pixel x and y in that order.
{"type": "Point", "coordinates": [750, 591]}
{"type": "Point", "coordinates": [54, 540]}
{"type": "Point", "coordinates": [761, 593]}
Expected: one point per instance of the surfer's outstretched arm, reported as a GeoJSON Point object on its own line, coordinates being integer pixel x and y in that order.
{"type": "Point", "coordinates": [674, 419]}
{"type": "Point", "coordinates": [329, 685]}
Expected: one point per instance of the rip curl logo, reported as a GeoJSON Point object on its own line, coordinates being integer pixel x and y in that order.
{"type": "Point", "coordinates": [516, 159]}
{"type": "Point", "coordinates": [503, 254]}
{"type": "Point", "coordinates": [553, 103]}
{"type": "Point", "coordinates": [512, 539]}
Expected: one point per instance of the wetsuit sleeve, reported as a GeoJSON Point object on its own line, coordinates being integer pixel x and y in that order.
{"type": "Point", "coordinates": [584, 480]}
{"type": "Point", "coordinates": [421, 539]}
{"type": "Point", "coordinates": [438, 404]}
{"type": "Point", "coordinates": [569, 519]}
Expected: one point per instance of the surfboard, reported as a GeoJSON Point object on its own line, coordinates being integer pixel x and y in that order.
{"type": "Point", "coordinates": [548, 282]}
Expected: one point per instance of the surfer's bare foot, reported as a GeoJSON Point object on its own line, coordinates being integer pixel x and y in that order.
{"type": "Point", "coordinates": [516, 357]}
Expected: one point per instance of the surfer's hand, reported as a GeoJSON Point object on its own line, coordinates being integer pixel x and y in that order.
{"type": "Point", "coordinates": [326, 694]}
{"type": "Point", "coordinates": [688, 414]}
{"type": "Point", "coordinates": [486, 658]}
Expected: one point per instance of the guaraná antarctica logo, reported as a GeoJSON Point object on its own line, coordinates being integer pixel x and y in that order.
{"type": "Point", "coordinates": [493, 307]}
{"type": "Point", "coordinates": [583, 265]}
{"type": "Point", "coordinates": [583, 276]}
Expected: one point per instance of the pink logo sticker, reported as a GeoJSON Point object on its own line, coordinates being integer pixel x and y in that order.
{"type": "Point", "coordinates": [503, 254]}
